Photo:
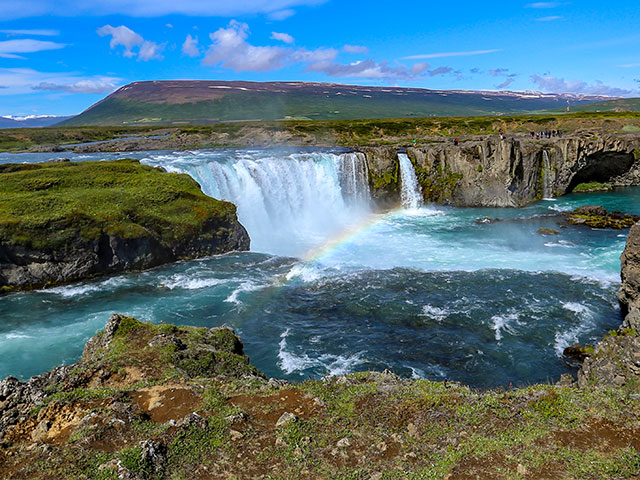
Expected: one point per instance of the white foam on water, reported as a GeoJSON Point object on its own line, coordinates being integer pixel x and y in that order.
{"type": "Point", "coordinates": [571, 336]}
{"type": "Point", "coordinates": [187, 282]}
{"type": "Point", "coordinates": [333, 364]}
{"type": "Point", "coordinates": [503, 323]}
{"type": "Point", "coordinates": [436, 313]}
{"type": "Point", "coordinates": [560, 208]}
{"type": "Point", "coordinates": [247, 286]}
{"type": "Point", "coordinates": [14, 336]}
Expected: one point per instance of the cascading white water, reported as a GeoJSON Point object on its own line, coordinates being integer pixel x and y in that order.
{"type": "Point", "coordinates": [410, 190]}
{"type": "Point", "coordinates": [547, 188]}
{"type": "Point", "coordinates": [288, 202]}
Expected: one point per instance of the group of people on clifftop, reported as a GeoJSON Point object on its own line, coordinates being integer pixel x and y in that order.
{"type": "Point", "coordinates": [536, 135]}
{"type": "Point", "coordinates": [546, 134]}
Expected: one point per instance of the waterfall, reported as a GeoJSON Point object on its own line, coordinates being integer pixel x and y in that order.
{"type": "Point", "coordinates": [547, 187]}
{"type": "Point", "coordinates": [288, 202]}
{"type": "Point", "coordinates": [410, 192]}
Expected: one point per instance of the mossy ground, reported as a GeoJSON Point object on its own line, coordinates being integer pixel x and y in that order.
{"type": "Point", "coordinates": [48, 206]}
{"type": "Point", "coordinates": [362, 426]}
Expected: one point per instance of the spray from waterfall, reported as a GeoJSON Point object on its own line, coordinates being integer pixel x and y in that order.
{"type": "Point", "coordinates": [410, 190]}
{"type": "Point", "coordinates": [547, 184]}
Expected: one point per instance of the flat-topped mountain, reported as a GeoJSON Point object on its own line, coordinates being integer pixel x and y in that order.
{"type": "Point", "coordinates": [205, 101]}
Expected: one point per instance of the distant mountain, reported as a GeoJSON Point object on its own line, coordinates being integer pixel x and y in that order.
{"type": "Point", "coordinates": [31, 121]}
{"type": "Point", "coordinates": [202, 101]}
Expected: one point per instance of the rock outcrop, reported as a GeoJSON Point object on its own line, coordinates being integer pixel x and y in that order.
{"type": "Point", "coordinates": [629, 293]}
{"type": "Point", "coordinates": [595, 216]}
{"type": "Point", "coordinates": [74, 220]}
{"type": "Point", "coordinates": [510, 172]}
{"type": "Point", "coordinates": [615, 362]}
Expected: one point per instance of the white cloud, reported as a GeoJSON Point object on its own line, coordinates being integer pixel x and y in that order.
{"type": "Point", "coordinates": [418, 68]}
{"type": "Point", "coordinates": [505, 84]}
{"type": "Point", "coordinates": [282, 14]}
{"type": "Point", "coordinates": [41, 33]}
{"type": "Point", "coordinates": [230, 49]}
{"type": "Point", "coordinates": [276, 9]}
{"type": "Point", "coordinates": [190, 46]}
{"type": "Point", "coordinates": [25, 80]}
{"type": "Point", "coordinates": [549, 83]}
{"type": "Point", "coordinates": [129, 39]}
{"type": "Point", "coordinates": [283, 37]}
{"type": "Point", "coordinates": [629, 65]}
{"type": "Point", "coordinates": [449, 54]}
{"type": "Point", "coordinates": [440, 71]}
{"type": "Point", "coordinates": [499, 72]}
{"type": "Point", "coordinates": [550, 18]}
{"type": "Point", "coordinates": [9, 48]}
{"type": "Point", "coordinates": [543, 5]}
{"type": "Point", "coordinates": [355, 49]}
{"type": "Point", "coordinates": [81, 86]}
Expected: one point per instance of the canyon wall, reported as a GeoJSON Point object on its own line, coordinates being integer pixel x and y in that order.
{"type": "Point", "coordinates": [509, 172]}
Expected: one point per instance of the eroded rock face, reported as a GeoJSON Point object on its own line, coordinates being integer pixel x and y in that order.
{"type": "Point", "coordinates": [21, 267]}
{"type": "Point", "coordinates": [629, 293]}
{"type": "Point", "coordinates": [508, 172]}
{"type": "Point", "coordinates": [616, 359]}
{"type": "Point", "coordinates": [125, 353]}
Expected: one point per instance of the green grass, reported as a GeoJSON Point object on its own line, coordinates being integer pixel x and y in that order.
{"type": "Point", "coordinates": [591, 186]}
{"type": "Point", "coordinates": [53, 206]}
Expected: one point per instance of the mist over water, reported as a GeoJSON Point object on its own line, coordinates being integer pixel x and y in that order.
{"type": "Point", "coordinates": [426, 292]}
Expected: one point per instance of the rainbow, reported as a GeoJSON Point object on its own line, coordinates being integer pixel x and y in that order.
{"type": "Point", "coordinates": [347, 235]}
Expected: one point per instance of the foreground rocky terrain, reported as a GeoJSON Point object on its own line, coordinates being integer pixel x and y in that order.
{"type": "Point", "coordinates": [160, 401]}
{"type": "Point", "coordinates": [66, 221]}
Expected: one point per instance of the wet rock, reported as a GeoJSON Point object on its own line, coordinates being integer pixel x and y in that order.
{"type": "Point", "coordinates": [546, 231]}
{"type": "Point", "coordinates": [578, 352]}
{"type": "Point", "coordinates": [484, 220]}
{"type": "Point", "coordinates": [596, 216]}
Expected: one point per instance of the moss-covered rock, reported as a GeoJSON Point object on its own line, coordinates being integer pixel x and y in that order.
{"type": "Point", "coordinates": [61, 222]}
{"type": "Point", "coordinates": [596, 216]}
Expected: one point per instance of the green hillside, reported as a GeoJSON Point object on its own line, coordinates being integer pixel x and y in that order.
{"type": "Point", "coordinates": [202, 102]}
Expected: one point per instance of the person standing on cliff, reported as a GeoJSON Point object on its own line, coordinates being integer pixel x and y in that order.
{"type": "Point", "coordinates": [456, 141]}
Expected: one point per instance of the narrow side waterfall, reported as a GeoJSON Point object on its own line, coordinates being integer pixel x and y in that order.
{"type": "Point", "coordinates": [547, 184]}
{"type": "Point", "coordinates": [288, 202]}
{"type": "Point", "coordinates": [410, 192]}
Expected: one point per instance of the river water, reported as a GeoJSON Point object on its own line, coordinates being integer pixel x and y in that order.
{"type": "Point", "coordinates": [332, 287]}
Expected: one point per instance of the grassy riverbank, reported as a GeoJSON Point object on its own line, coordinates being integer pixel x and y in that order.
{"type": "Point", "coordinates": [158, 401]}
{"type": "Point", "coordinates": [314, 133]}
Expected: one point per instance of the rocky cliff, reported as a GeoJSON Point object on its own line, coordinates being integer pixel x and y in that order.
{"type": "Point", "coordinates": [69, 221]}
{"type": "Point", "coordinates": [507, 172]}
{"type": "Point", "coordinates": [616, 359]}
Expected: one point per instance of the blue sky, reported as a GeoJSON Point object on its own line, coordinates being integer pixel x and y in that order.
{"type": "Point", "coordinates": [61, 57]}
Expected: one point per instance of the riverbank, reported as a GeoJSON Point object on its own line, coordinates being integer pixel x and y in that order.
{"type": "Point", "coordinates": [344, 133]}
{"type": "Point", "coordinates": [158, 401]}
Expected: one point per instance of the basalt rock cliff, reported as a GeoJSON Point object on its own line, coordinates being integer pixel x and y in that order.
{"type": "Point", "coordinates": [70, 221]}
{"type": "Point", "coordinates": [507, 172]}
{"type": "Point", "coordinates": [616, 359]}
